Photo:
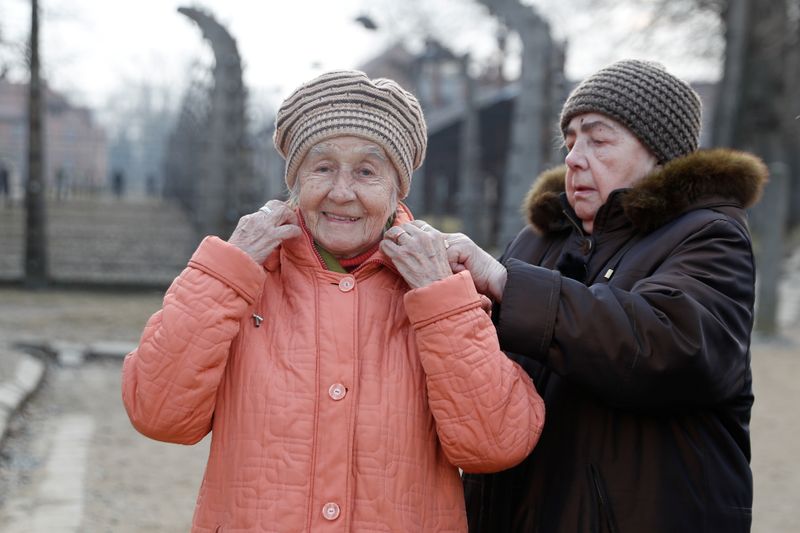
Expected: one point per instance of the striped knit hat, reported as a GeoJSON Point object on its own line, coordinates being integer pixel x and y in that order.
{"type": "Point", "coordinates": [662, 111]}
{"type": "Point", "coordinates": [347, 102]}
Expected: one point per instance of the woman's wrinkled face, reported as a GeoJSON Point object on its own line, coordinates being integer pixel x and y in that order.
{"type": "Point", "coordinates": [347, 192]}
{"type": "Point", "coordinates": [603, 156]}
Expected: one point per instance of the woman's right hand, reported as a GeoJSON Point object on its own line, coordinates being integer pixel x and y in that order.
{"type": "Point", "coordinates": [259, 234]}
{"type": "Point", "coordinates": [488, 274]}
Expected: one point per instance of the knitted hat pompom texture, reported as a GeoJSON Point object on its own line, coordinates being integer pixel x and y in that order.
{"type": "Point", "coordinates": [661, 110]}
{"type": "Point", "coordinates": [347, 102]}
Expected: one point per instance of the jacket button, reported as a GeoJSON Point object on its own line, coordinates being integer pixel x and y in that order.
{"type": "Point", "coordinates": [347, 284]}
{"type": "Point", "coordinates": [337, 391]}
{"type": "Point", "coordinates": [330, 511]}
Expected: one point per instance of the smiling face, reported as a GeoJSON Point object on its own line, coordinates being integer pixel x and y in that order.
{"type": "Point", "coordinates": [603, 156]}
{"type": "Point", "coordinates": [347, 192]}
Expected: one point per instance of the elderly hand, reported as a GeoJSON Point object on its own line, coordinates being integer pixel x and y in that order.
{"type": "Point", "coordinates": [488, 274]}
{"type": "Point", "coordinates": [259, 234]}
{"type": "Point", "coordinates": [418, 252]}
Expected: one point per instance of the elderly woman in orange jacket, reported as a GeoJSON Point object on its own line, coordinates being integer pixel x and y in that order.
{"type": "Point", "coordinates": [344, 372]}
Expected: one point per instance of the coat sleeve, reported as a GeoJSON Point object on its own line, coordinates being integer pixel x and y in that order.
{"type": "Point", "coordinates": [680, 336]}
{"type": "Point", "coordinates": [487, 411]}
{"type": "Point", "coordinates": [170, 381]}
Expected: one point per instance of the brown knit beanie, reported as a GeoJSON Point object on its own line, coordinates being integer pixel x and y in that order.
{"type": "Point", "coordinates": [347, 102]}
{"type": "Point", "coordinates": [662, 111]}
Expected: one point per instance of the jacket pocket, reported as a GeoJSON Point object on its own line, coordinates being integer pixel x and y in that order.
{"type": "Point", "coordinates": [603, 512]}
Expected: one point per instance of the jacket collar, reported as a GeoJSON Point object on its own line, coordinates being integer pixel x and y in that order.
{"type": "Point", "coordinates": [302, 252]}
{"type": "Point", "coordinates": [703, 178]}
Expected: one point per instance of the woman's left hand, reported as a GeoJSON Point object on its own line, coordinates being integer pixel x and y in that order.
{"type": "Point", "coordinates": [418, 251]}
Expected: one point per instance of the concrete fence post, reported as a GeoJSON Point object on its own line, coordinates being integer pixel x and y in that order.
{"type": "Point", "coordinates": [769, 253]}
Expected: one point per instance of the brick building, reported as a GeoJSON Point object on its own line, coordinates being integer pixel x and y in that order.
{"type": "Point", "coordinates": [76, 158]}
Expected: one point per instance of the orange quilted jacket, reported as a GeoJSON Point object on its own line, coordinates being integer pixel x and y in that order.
{"type": "Point", "coordinates": [349, 408]}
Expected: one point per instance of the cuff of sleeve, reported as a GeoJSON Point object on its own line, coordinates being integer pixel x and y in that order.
{"type": "Point", "coordinates": [526, 319]}
{"type": "Point", "coordinates": [441, 299]}
{"type": "Point", "coordinates": [230, 265]}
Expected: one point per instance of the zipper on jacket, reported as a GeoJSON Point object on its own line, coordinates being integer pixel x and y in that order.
{"type": "Point", "coordinates": [575, 224]}
{"type": "Point", "coordinates": [588, 241]}
{"type": "Point", "coordinates": [603, 503]}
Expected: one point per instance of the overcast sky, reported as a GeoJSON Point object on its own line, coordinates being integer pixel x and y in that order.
{"type": "Point", "coordinates": [92, 48]}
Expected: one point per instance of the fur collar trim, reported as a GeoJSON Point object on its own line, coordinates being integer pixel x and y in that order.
{"type": "Point", "coordinates": [719, 174]}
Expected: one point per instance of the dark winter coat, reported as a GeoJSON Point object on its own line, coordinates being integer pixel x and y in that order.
{"type": "Point", "coordinates": [638, 339]}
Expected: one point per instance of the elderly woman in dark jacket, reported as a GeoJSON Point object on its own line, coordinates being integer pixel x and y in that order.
{"type": "Point", "coordinates": [629, 299]}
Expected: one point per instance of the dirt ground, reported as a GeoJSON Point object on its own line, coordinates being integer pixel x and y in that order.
{"type": "Point", "coordinates": [134, 484]}
{"type": "Point", "coordinates": [75, 315]}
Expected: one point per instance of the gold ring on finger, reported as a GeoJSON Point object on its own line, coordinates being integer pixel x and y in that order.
{"type": "Point", "coordinates": [400, 234]}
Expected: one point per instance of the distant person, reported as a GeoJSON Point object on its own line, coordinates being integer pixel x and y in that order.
{"type": "Point", "coordinates": [150, 186]}
{"type": "Point", "coordinates": [5, 185]}
{"type": "Point", "coordinates": [118, 184]}
{"type": "Point", "coordinates": [344, 372]}
{"type": "Point", "coordinates": [629, 299]}
{"type": "Point", "coordinates": [62, 183]}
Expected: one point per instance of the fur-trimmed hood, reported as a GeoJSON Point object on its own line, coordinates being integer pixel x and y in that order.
{"type": "Point", "coordinates": [665, 193]}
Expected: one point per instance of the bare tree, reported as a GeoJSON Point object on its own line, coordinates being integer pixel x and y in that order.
{"type": "Point", "coordinates": [14, 54]}
{"type": "Point", "coordinates": [461, 25]}
{"type": "Point", "coordinates": [4, 60]}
